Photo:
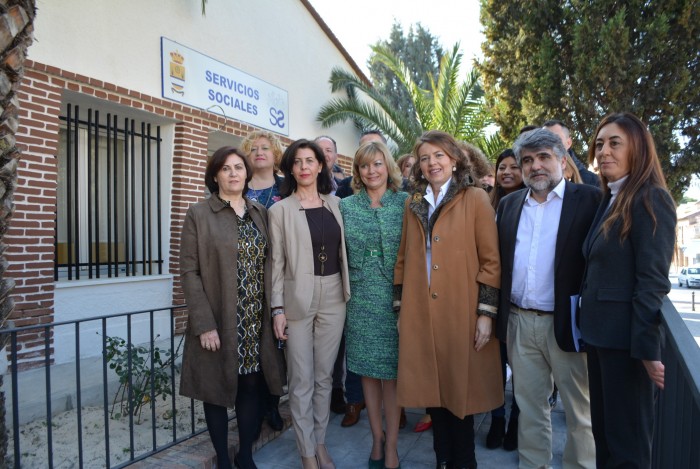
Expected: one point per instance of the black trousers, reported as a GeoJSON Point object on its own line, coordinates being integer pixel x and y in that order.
{"type": "Point", "coordinates": [622, 408]}
{"type": "Point", "coordinates": [453, 438]}
{"type": "Point", "coordinates": [247, 416]}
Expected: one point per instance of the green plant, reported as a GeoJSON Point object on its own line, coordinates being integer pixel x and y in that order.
{"type": "Point", "coordinates": [138, 384]}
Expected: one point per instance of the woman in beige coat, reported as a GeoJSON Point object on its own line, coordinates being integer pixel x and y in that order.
{"type": "Point", "coordinates": [447, 277]}
{"type": "Point", "coordinates": [310, 286]}
{"type": "Point", "coordinates": [225, 274]}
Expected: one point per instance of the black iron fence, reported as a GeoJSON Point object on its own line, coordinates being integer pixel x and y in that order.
{"type": "Point", "coordinates": [137, 371]}
{"type": "Point", "coordinates": [677, 430]}
{"type": "Point", "coordinates": [130, 375]}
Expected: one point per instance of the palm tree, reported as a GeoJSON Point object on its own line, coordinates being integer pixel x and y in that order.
{"type": "Point", "coordinates": [456, 108]}
{"type": "Point", "coordinates": [16, 28]}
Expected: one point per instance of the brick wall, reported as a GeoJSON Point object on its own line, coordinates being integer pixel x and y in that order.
{"type": "Point", "coordinates": [30, 238]}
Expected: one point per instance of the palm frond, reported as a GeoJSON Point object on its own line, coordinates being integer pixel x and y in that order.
{"type": "Point", "coordinates": [444, 89]}
{"type": "Point", "coordinates": [454, 106]}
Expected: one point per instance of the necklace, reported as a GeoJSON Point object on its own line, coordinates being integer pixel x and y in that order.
{"type": "Point", "coordinates": [322, 255]}
{"type": "Point", "coordinates": [256, 195]}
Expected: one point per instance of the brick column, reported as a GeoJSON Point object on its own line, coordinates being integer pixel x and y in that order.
{"type": "Point", "coordinates": [189, 163]}
{"type": "Point", "coordinates": [30, 238]}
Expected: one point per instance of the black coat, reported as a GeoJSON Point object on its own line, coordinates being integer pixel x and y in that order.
{"type": "Point", "coordinates": [625, 284]}
{"type": "Point", "coordinates": [577, 213]}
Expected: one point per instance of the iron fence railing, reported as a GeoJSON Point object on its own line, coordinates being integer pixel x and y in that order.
{"type": "Point", "coordinates": [677, 430]}
{"type": "Point", "coordinates": [675, 440]}
{"type": "Point", "coordinates": [148, 343]}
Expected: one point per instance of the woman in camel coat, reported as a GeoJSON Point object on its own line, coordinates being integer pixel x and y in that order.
{"type": "Point", "coordinates": [447, 277]}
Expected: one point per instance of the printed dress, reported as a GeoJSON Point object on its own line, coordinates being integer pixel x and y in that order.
{"type": "Point", "coordinates": [372, 237]}
{"type": "Point", "coordinates": [251, 295]}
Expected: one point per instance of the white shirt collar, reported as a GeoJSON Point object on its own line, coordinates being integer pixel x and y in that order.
{"type": "Point", "coordinates": [558, 191]}
{"type": "Point", "coordinates": [441, 192]}
{"type": "Point", "coordinates": [617, 185]}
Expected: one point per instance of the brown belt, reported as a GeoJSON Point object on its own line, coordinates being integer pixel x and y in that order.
{"type": "Point", "coordinates": [538, 312]}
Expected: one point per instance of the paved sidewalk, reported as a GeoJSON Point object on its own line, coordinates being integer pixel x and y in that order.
{"type": "Point", "coordinates": [350, 447]}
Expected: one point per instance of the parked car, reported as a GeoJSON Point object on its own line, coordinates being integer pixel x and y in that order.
{"type": "Point", "coordinates": [690, 277]}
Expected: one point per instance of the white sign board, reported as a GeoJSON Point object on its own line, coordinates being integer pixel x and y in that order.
{"type": "Point", "coordinates": [192, 78]}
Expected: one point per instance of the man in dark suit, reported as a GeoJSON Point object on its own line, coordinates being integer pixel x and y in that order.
{"type": "Point", "coordinates": [541, 231]}
{"type": "Point", "coordinates": [330, 152]}
{"type": "Point", "coordinates": [560, 128]}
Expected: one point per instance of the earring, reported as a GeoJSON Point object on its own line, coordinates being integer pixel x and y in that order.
{"type": "Point", "coordinates": [422, 176]}
{"type": "Point", "coordinates": [454, 168]}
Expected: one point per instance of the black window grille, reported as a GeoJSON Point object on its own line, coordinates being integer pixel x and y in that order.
{"type": "Point", "coordinates": [108, 221]}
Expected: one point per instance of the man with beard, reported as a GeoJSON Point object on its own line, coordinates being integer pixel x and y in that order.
{"type": "Point", "coordinates": [562, 131]}
{"type": "Point", "coordinates": [541, 230]}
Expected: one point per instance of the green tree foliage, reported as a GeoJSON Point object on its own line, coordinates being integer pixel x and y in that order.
{"type": "Point", "coordinates": [580, 60]}
{"type": "Point", "coordinates": [446, 104]}
{"type": "Point", "coordinates": [420, 52]}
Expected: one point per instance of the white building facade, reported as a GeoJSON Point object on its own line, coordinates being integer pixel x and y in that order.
{"type": "Point", "coordinates": [120, 106]}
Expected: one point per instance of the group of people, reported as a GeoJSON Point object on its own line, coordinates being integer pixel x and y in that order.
{"type": "Point", "coordinates": [432, 284]}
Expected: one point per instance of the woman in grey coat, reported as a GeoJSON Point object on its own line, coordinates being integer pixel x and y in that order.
{"type": "Point", "coordinates": [225, 274]}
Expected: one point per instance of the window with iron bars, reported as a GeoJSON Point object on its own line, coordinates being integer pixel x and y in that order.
{"type": "Point", "coordinates": [108, 220]}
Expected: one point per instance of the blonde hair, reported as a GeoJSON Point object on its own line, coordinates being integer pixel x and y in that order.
{"type": "Point", "coordinates": [367, 153]}
{"type": "Point", "coordinates": [275, 144]}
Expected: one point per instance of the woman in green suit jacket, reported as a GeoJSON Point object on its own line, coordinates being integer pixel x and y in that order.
{"type": "Point", "coordinates": [373, 219]}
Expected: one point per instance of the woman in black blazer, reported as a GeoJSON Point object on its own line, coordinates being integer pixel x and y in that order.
{"type": "Point", "coordinates": [628, 253]}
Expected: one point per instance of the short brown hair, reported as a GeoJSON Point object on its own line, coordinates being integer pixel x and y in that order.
{"type": "Point", "coordinates": [217, 161]}
{"type": "Point", "coordinates": [449, 145]}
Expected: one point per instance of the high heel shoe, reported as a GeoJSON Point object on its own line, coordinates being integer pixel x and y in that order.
{"type": "Point", "coordinates": [422, 426]}
{"type": "Point", "coordinates": [378, 463]}
{"type": "Point", "coordinates": [397, 467]}
{"type": "Point", "coordinates": [324, 459]}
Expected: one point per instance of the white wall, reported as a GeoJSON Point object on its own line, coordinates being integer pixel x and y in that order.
{"type": "Point", "coordinates": [87, 298]}
{"type": "Point", "coordinates": [119, 42]}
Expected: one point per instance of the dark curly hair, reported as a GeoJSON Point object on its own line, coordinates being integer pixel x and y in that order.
{"type": "Point", "coordinates": [323, 180]}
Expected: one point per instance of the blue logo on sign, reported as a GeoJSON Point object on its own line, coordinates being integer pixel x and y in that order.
{"type": "Point", "coordinates": [277, 118]}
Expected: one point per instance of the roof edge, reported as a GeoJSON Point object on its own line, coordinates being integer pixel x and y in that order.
{"type": "Point", "coordinates": [358, 71]}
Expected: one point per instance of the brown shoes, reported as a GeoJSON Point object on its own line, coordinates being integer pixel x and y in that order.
{"type": "Point", "coordinates": [352, 413]}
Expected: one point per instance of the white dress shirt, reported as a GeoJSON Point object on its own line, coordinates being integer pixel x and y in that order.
{"type": "Point", "coordinates": [533, 264]}
{"type": "Point", "coordinates": [433, 202]}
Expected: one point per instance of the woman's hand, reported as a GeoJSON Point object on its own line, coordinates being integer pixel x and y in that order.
{"type": "Point", "coordinates": [655, 370]}
{"type": "Point", "coordinates": [484, 325]}
{"type": "Point", "coordinates": [279, 324]}
{"type": "Point", "coordinates": [210, 340]}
